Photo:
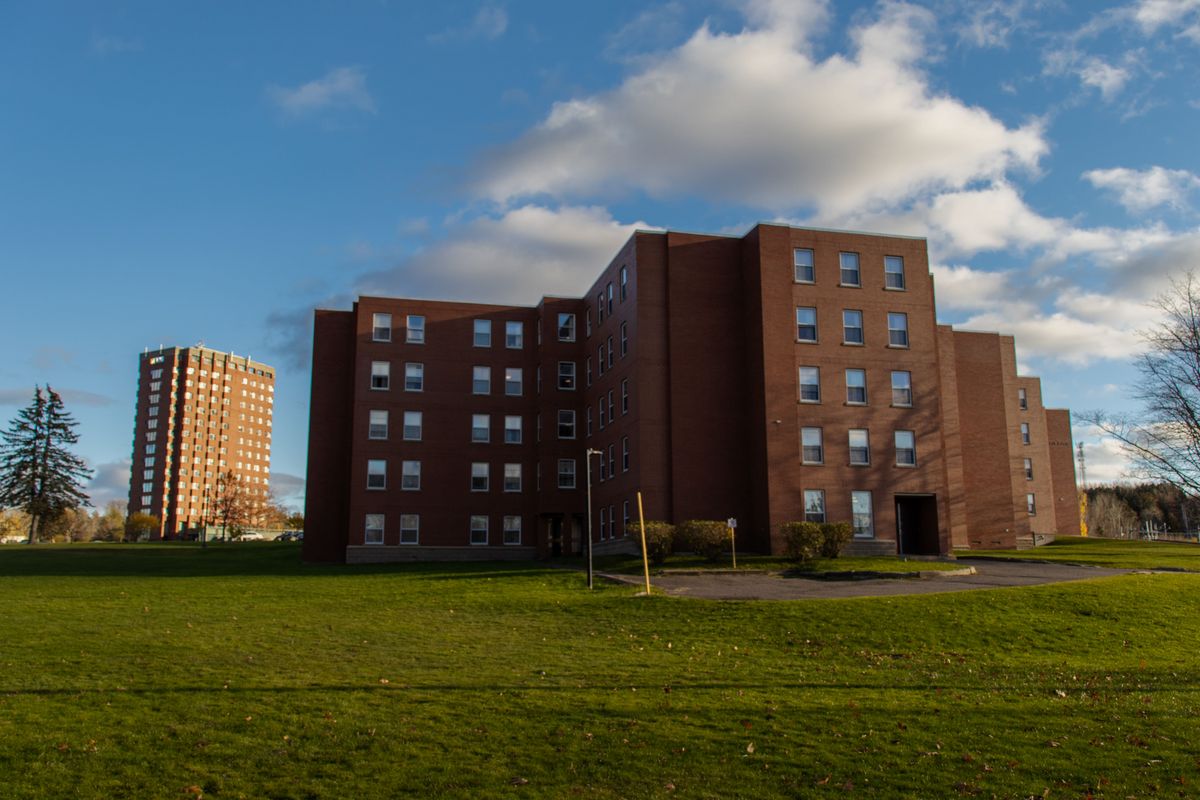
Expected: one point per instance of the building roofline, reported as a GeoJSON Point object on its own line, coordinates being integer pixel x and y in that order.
{"type": "Point", "coordinates": [776, 224]}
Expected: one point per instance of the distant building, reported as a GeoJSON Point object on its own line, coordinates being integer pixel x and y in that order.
{"type": "Point", "coordinates": [787, 374]}
{"type": "Point", "coordinates": [200, 413]}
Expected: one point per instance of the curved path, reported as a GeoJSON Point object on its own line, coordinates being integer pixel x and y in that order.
{"type": "Point", "coordinates": [761, 586]}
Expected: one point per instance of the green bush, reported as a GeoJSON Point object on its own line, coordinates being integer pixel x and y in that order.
{"type": "Point", "coordinates": [834, 536]}
{"type": "Point", "coordinates": [704, 537]}
{"type": "Point", "coordinates": [659, 537]}
{"type": "Point", "coordinates": [803, 540]}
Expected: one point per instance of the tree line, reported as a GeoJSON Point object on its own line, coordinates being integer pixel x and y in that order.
{"type": "Point", "coordinates": [1124, 511]}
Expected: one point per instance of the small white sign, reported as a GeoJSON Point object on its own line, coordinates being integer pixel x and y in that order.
{"type": "Point", "coordinates": [731, 522]}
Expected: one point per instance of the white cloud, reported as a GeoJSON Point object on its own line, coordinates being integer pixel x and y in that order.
{"type": "Point", "coordinates": [1056, 336]}
{"type": "Point", "coordinates": [963, 288]}
{"type": "Point", "coordinates": [991, 23]}
{"type": "Point", "coordinates": [110, 482]}
{"type": "Point", "coordinates": [1094, 72]}
{"type": "Point", "coordinates": [489, 22]}
{"type": "Point", "coordinates": [1141, 190]}
{"type": "Point", "coordinates": [1154, 14]}
{"type": "Point", "coordinates": [340, 88]}
{"type": "Point", "coordinates": [752, 118]}
{"type": "Point", "coordinates": [1106, 461]}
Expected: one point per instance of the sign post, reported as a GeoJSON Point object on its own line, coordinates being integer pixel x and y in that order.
{"type": "Point", "coordinates": [645, 555]}
{"type": "Point", "coordinates": [732, 523]}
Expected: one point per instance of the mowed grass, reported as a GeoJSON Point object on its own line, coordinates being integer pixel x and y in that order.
{"type": "Point", "coordinates": [1106, 553]}
{"type": "Point", "coordinates": [625, 565]}
{"type": "Point", "coordinates": [171, 672]}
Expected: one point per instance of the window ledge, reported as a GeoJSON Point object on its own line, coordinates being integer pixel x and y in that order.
{"type": "Point", "coordinates": [898, 346]}
{"type": "Point", "coordinates": [854, 344]}
{"type": "Point", "coordinates": [808, 341]}
{"type": "Point", "coordinates": [895, 288]}
{"type": "Point", "coordinates": [901, 405]}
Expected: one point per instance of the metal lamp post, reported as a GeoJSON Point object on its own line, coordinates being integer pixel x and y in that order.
{"type": "Point", "coordinates": [588, 458]}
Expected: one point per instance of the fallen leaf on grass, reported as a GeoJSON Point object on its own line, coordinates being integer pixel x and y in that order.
{"type": "Point", "coordinates": [750, 747]}
{"type": "Point", "coordinates": [519, 781]}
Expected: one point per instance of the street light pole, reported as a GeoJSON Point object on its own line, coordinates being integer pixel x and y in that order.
{"type": "Point", "coordinates": [588, 458]}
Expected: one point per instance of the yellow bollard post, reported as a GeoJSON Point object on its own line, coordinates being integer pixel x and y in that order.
{"type": "Point", "coordinates": [731, 523]}
{"type": "Point", "coordinates": [645, 555]}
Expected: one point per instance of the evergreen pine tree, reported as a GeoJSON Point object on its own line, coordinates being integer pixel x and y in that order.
{"type": "Point", "coordinates": [38, 474]}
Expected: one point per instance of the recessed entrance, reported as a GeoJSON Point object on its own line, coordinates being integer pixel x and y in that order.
{"type": "Point", "coordinates": [917, 525]}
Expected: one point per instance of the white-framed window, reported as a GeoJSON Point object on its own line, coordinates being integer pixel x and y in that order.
{"type": "Point", "coordinates": [147, 487]}
{"type": "Point", "coordinates": [852, 326]}
{"type": "Point", "coordinates": [481, 428]}
{"type": "Point", "coordinates": [482, 336]}
{"type": "Point", "coordinates": [624, 396]}
{"type": "Point", "coordinates": [149, 461]}
{"type": "Point", "coordinates": [588, 414]}
{"type": "Point", "coordinates": [512, 530]}
{"type": "Point", "coordinates": [906, 449]}
{"type": "Point", "coordinates": [479, 529]}
{"type": "Point", "coordinates": [414, 377]}
{"type": "Point", "coordinates": [625, 454]}
{"type": "Point", "coordinates": [566, 473]}
{"type": "Point", "coordinates": [512, 477]}
{"type": "Point", "coordinates": [155, 374]}
{"type": "Point", "coordinates": [151, 449]}
{"type": "Point", "coordinates": [376, 473]}
{"type": "Point", "coordinates": [381, 327]}
{"type": "Point", "coordinates": [374, 529]}
{"type": "Point", "coordinates": [1028, 469]}
{"type": "Point", "coordinates": [804, 266]}
{"type": "Point", "coordinates": [414, 330]}
{"type": "Point", "coordinates": [410, 476]}
{"type": "Point", "coordinates": [381, 374]}
{"type": "Point", "coordinates": [599, 359]}
{"type": "Point", "coordinates": [146, 499]}
{"type": "Point", "coordinates": [480, 476]}
{"type": "Point", "coordinates": [1025, 433]}
{"type": "Point", "coordinates": [512, 429]}
{"type": "Point", "coordinates": [481, 380]}
{"type": "Point", "coordinates": [624, 280]}
{"type": "Point", "coordinates": [610, 353]}
{"type": "Point", "coordinates": [603, 465]}
{"type": "Point", "coordinates": [810, 384]}
{"type": "Point", "coordinates": [514, 378]}
{"type": "Point", "coordinates": [566, 423]}
{"type": "Point", "coordinates": [154, 411]}
{"type": "Point", "coordinates": [1031, 504]}
{"type": "Point", "coordinates": [814, 505]}
{"type": "Point", "coordinates": [566, 375]}
{"type": "Point", "coordinates": [897, 329]}
{"type": "Point", "coordinates": [148, 475]}
{"type": "Point", "coordinates": [612, 409]}
{"type": "Point", "coordinates": [862, 515]}
{"type": "Point", "coordinates": [566, 327]}
{"type": "Point", "coordinates": [860, 447]}
{"type": "Point", "coordinates": [413, 426]}
{"type": "Point", "coordinates": [624, 517]}
{"type": "Point", "coordinates": [624, 339]}
{"type": "Point", "coordinates": [806, 324]}
{"type": "Point", "coordinates": [377, 424]}
{"type": "Point", "coordinates": [609, 291]}
{"type": "Point", "coordinates": [410, 528]}
{"type": "Point", "coordinates": [587, 372]}
{"type": "Point", "coordinates": [514, 335]}
{"type": "Point", "coordinates": [856, 387]}
{"type": "Point", "coordinates": [812, 451]}
{"type": "Point", "coordinates": [893, 272]}
{"type": "Point", "coordinates": [1022, 400]}
{"type": "Point", "coordinates": [850, 275]}
{"type": "Point", "coordinates": [153, 399]}
{"type": "Point", "coordinates": [155, 386]}
{"type": "Point", "coordinates": [902, 388]}
{"type": "Point", "coordinates": [603, 520]}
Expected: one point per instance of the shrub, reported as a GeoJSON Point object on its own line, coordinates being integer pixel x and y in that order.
{"type": "Point", "coordinates": [803, 540]}
{"type": "Point", "coordinates": [834, 536]}
{"type": "Point", "coordinates": [659, 536]}
{"type": "Point", "coordinates": [704, 537]}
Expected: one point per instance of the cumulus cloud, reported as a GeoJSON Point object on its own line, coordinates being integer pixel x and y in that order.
{"type": "Point", "coordinates": [962, 288]}
{"type": "Point", "coordinates": [489, 22]}
{"type": "Point", "coordinates": [110, 482]}
{"type": "Point", "coordinates": [340, 88]}
{"type": "Point", "coordinates": [1141, 190]}
{"type": "Point", "coordinates": [752, 118]}
{"type": "Point", "coordinates": [1152, 15]}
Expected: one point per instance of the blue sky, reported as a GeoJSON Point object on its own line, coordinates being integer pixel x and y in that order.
{"type": "Point", "coordinates": [176, 172]}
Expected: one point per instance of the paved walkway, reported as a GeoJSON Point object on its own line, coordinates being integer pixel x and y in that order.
{"type": "Point", "coordinates": [760, 586]}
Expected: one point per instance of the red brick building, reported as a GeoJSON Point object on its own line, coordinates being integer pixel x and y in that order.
{"type": "Point", "coordinates": [787, 374]}
{"type": "Point", "coordinates": [200, 413]}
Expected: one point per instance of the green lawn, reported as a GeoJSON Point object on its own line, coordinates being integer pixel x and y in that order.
{"type": "Point", "coordinates": [632, 565]}
{"type": "Point", "coordinates": [139, 671]}
{"type": "Point", "coordinates": [1106, 553]}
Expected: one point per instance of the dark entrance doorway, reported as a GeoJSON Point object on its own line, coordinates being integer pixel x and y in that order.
{"type": "Point", "coordinates": [917, 525]}
{"type": "Point", "coordinates": [556, 537]}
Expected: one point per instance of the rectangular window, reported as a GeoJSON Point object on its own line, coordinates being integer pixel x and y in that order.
{"type": "Point", "coordinates": [624, 283]}
{"type": "Point", "coordinates": [147, 487]}
{"type": "Point", "coordinates": [412, 426]}
{"type": "Point", "coordinates": [612, 461]}
{"type": "Point", "coordinates": [376, 473]}
{"type": "Point", "coordinates": [805, 269]}
{"type": "Point", "coordinates": [148, 475]}
{"type": "Point", "coordinates": [811, 449]}
{"type": "Point", "coordinates": [588, 413]}
{"type": "Point", "coordinates": [381, 327]}
{"type": "Point", "coordinates": [610, 352]}
{"type": "Point", "coordinates": [566, 473]}
{"type": "Point", "coordinates": [587, 372]}
{"type": "Point", "coordinates": [512, 530]}
{"type": "Point", "coordinates": [603, 465]}
{"type": "Point", "coordinates": [603, 520]}
{"type": "Point", "coordinates": [566, 375]}
{"type": "Point", "coordinates": [893, 272]}
{"type": "Point", "coordinates": [154, 387]}
{"type": "Point", "coordinates": [1029, 469]}
{"type": "Point", "coordinates": [153, 399]}
{"type": "Point", "coordinates": [625, 454]}
{"type": "Point", "coordinates": [814, 505]}
{"type": "Point", "coordinates": [513, 381]}
{"type": "Point", "coordinates": [860, 447]}
{"type": "Point", "coordinates": [587, 322]}
{"type": "Point", "coordinates": [374, 529]}
{"type": "Point", "coordinates": [410, 528]}
{"type": "Point", "coordinates": [806, 324]}
{"type": "Point", "coordinates": [1022, 400]}
{"type": "Point", "coordinates": [414, 331]}
{"type": "Point", "coordinates": [850, 273]}
{"type": "Point", "coordinates": [381, 374]}
{"type": "Point", "coordinates": [600, 308]}
{"type": "Point", "coordinates": [1031, 504]}
{"type": "Point", "coordinates": [512, 477]}
{"type": "Point", "coordinates": [609, 291]}
{"type": "Point", "coordinates": [810, 384]}
{"type": "Point", "coordinates": [479, 529]}
{"type": "Point", "coordinates": [599, 359]}
{"type": "Point", "coordinates": [483, 333]}
{"type": "Point", "coordinates": [624, 339]}
{"type": "Point", "coordinates": [481, 380]}
{"type": "Point", "coordinates": [600, 406]}
{"type": "Point", "coordinates": [149, 461]}
{"type": "Point", "coordinates": [856, 387]}
{"type": "Point", "coordinates": [906, 449]}
{"type": "Point", "coordinates": [862, 515]}
{"type": "Point", "coordinates": [624, 396]}
{"type": "Point", "coordinates": [154, 411]}
{"type": "Point", "coordinates": [902, 389]}
{"type": "Point", "coordinates": [377, 425]}
{"type": "Point", "coordinates": [1024, 433]}
{"type": "Point", "coordinates": [479, 476]}
{"type": "Point", "coordinates": [414, 377]}
{"type": "Point", "coordinates": [612, 409]}
{"type": "Point", "coordinates": [897, 329]}
{"type": "Point", "coordinates": [852, 327]}
{"type": "Point", "coordinates": [512, 430]}
{"type": "Point", "coordinates": [566, 327]}
{"type": "Point", "coordinates": [155, 374]}
{"type": "Point", "coordinates": [566, 424]}
{"type": "Point", "coordinates": [410, 476]}
{"type": "Point", "coordinates": [514, 335]}
{"type": "Point", "coordinates": [151, 448]}
{"type": "Point", "coordinates": [481, 428]}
